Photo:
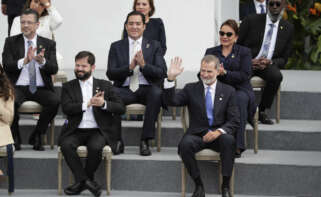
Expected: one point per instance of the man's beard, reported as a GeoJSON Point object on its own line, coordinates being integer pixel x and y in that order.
{"type": "Point", "coordinates": [85, 76]}
{"type": "Point", "coordinates": [275, 18]}
{"type": "Point", "coordinates": [208, 81]}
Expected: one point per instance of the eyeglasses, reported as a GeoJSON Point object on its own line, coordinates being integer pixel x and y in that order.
{"type": "Point", "coordinates": [228, 34]}
{"type": "Point", "coordinates": [27, 23]}
{"type": "Point", "coordinates": [274, 3]}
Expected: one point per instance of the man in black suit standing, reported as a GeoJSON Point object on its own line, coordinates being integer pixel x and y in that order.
{"type": "Point", "coordinates": [12, 8]}
{"type": "Point", "coordinates": [214, 119]}
{"type": "Point", "coordinates": [90, 105]}
{"type": "Point", "coordinates": [270, 39]}
{"type": "Point", "coordinates": [137, 67]}
{"type": "Point", "coordinates": [29, 61]}
{"type": "Point", "coordinates": [252, 7]}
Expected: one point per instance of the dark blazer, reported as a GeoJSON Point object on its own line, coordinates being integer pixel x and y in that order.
{"type": "Point", "coordinates": [247, 8]}
{"type": "Point", "coordinates": [226, 114]}
{"type": "Point", "coordinates": [118, 62]}
{"type": "Point", "coordinates": [252, 34]}
{"type": "Point", "coordinates": [14, 7]}
{"type": "Point", "coordinates": [71, 102]}
{"type": "Point", "coordinates": [239, 71]}
{"type": "Point", "coordinates": [14, 49]}
{"type": "Point", "coordinates": [154, 30]}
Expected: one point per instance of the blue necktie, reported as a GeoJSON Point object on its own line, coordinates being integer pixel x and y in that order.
{"type": "Point", "coordinates": [267, 41]}
{"type": "Point", "coordinates": [262, 9]}
{"type": "Point", "coordinates": [32, 73]}
{"type": "Point", "coordinates": [209, 106]}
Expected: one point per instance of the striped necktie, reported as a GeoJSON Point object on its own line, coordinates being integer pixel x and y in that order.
{"type": "Point", "coordinates": [32, 73]}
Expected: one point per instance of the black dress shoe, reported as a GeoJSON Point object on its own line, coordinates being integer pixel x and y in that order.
{"type": "Point", "coordinates": [119, 147]}
{"type": "Point", "coordinates": [17, 146]}
{"type": "Point", "coordinates": [31, 140]}
{"type": "Point", "coordinates": [93, 188]}
{"type": "Point", "coordinates": [199, 191]}
{"type": "Point", "coordinates": [144, 148]}
{"type": "Point", "coordinates": [75, 189]}
{"type": "Point", "coordinates": [38, 143]}
{"type": "Point", "coordinates": [226, 192]}
{"type": "Point", "coordinates": [238, 154]}
{"type": "Point", "coordinates": [264, 119]}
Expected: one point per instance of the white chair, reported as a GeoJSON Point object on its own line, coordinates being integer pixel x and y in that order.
{"type": "Point", "coordinates": [82, 153]}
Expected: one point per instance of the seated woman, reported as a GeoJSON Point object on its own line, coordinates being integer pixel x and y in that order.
{"type": "Point", "coordinates": [236, 71]}
{"type": "Point", "coordinates": [6, 115]}
{"type": "Point", "coordinates": [155, 29]}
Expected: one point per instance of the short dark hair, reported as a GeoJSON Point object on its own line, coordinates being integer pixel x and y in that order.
{"type": "Point", "coordinates": [83, 54]}
{"type": "Point", "coordinates": [232, 24]}
{"type": "Point", "coordinates": [31, 11]}
{"type": "Point", "coordinates": [151, 4]}
{"type": "Point", "coordinates": [133, 13]}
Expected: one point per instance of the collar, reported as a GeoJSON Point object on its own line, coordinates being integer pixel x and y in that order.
{"type": "Point", "coordinates": [269, 21]}
{"type": "Point", "coordinates": [89, 81]}
{"type": "Point", "coordinates": [257, 4]}
{"type": "Point", "coordinates": [139, 40]}
{"type": "Point", "coordinates": [33, 40]}
{"type": "Point", "coordinates": [213, 86]}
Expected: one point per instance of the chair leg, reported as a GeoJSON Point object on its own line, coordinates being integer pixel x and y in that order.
{"type": "Point", "coordinates": [232, 183]}
{"type": "Point", "coordinates": [220, 179]}
{"type": "Point", "coordinates": [59, 173]}
{"type": "Point", "coordinates": [183, 179]}
{"type": "Point", "coordinates": [10, 169]}
{"type": "Point", "coordinates": [159, 130]}
{"type": "Point", "coordinates": [256, 132]}
{"type": "Point", "coordinates": [174, 113]}
{"type": "Point", "coordinates": [278, 105]}
{"type": "Point", "coordinates": [45, 139]}
{"type": "Point", "coordinates": [52, 133]}
{"type": "Point", "coordinates": [108, 173]}
{"type": "Point", "coordinates": [69, 177]}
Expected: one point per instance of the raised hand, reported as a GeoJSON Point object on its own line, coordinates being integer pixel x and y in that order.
{"type": "Point", "coordinates": [98, 100]}
{"type": "Point", "coordinates": [40, 57]}
{"type": "Point", "coordinates": [139, 57]}
{"type": "Point", "coordinates": [30, 55]}
{"type": "Point", "coordinates": [175, 68]}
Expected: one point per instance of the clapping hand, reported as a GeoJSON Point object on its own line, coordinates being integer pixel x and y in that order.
{"type": "Point", "coordinates": [30, 55]}
{"type": "Point", "coordinates": [139, 57]}
{"type": "Point", "coordinates": [40, 57]}
{"type": "Point", "coordinates": [221, 70]}
{"type": "Point", "coordinates": [98, 100]}
{"type": "Point", "coordinates": [175, 68]}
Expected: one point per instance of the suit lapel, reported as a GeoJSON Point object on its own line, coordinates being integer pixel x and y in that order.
{"type": "Point", "coordinates": [77, 90]}
{"type": "Point", "coordinates": [200, 94]}
{"type": "Point", "coordinates": [145, 48]}
{"type": "Point", "coordinates": [279, 36]}
{"type": "Point", "coordinates": [21, 50]}
{"type": "Point", "coordinates": [125, 49]}
{"type": "Point", "coordinates": [219, 96]}
{"type": "Point", "coordinates": [261, 28]}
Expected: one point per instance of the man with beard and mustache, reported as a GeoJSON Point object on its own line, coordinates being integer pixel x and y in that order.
{"type": "Point", "coordinates": [214, 119]}
{"type": "Point", "coordinates": [90, 105]}
{"type": "Point", "coordinates": [270, 39]}
{"type": "Point", "coordinates": [29, 60]}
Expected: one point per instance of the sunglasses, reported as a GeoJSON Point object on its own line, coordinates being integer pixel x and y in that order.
{"type": "Point", "coordinates": [274, 3]}
{"type": "Point", "coordinates": [228, 34]}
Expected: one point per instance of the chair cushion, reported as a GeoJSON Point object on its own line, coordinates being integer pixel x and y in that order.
{"type": "Point", "coordinates": [30, 107]}
{"type": "Point", "coordinates": [3, 151]}
{"type": "Point", "coordinates": [257, 82]}
{"type": "Point", "coordinates": [82, 150]}
{"type": "Point", "coordinates": [207, 154]}
{"type": "Point", "coordinates": [61, 76]}
{"type": "Point", "coordinates": [135, 109]}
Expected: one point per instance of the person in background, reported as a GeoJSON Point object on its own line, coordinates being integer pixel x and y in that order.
{"type": "Point", "coordinates": [11, 8]}
{"type": "Point", "coordinates": [252, 7]}
{"type": "Point", "coordinates": [155, 29]}
{"type": "Point", "coordinates": [236, 70]}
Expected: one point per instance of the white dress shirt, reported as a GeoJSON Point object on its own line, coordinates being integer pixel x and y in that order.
{"type": "Point", "coordinates": [23, 79]}
{"type": "Point", "coordinates": [141, 78]}
{"type": "Point", "coordinates": [273, 38]}
{"type": "Point", "coordinates": [88, 120]}
{"type": "Point", "coordinates": [168, 85]}
{"type": "Point", "coordinates": [258, 6]}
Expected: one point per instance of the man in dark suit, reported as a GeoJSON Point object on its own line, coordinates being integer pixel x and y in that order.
{"type": "Point", "coordinates": [252, 7]}
{"type": "Point", "coordinates": [270, 39]}
{"type": "Point", "coordinates": [137, 67]}
{"type": "Point", "coordinates": [29, 61]}
{"type": "Point", "coordinates": [90, 105]}
{"type": "Point", "coordinates": [214, 119]}
{"type": "Point", "coordinates": [12, 8]}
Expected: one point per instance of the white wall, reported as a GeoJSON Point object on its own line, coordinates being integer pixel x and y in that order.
{"type": "Point", "coordinates": [94, 25]}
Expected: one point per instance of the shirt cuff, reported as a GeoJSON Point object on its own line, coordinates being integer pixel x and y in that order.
{"type": "Point", "coordinates": [84, 106]}
{"type": "Point", "coordinates": [168, 84]}
{"type": "Point", "coordinates": [221, 130]}
{"type": "Point", "coordinates": [44, 62]}
{"type": "Point", "coordinates": [20, 63]}
{"type": "Point", "coordinates": [105, 106]}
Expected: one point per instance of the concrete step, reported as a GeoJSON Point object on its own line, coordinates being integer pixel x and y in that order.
{"type": "Point", "coordinates": [270, 172]}
{"type": "Point", "coordinates": [53, 193]}
{"type": "Point", "coordinates": [288, 135]}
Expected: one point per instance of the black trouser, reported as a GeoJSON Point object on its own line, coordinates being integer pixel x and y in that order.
{"type": "Point", "coordinates": [242, 100]}
{"type": "Point", "coordinates": [272, 77]}
{"type": "Point", "coordinates": [148, 95]}
{"type": "Point", "coordinates": [191, 144]}
{"type": "Point", "coordinates": [49, 101]}
{"type": "Point", "coordinates": [95, 142]}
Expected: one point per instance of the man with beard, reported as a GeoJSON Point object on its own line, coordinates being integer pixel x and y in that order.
{"type": "Point", "coordinates": [214, 119]}
{"type": "Point", "coordinates": [29, 61]}
{"type": "Point", "coordinates": [90, 105]}
{"type": "Point", "coordinates": [270, 39]}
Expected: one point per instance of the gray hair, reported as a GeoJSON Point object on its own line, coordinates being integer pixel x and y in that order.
{"type": "Point", "coordinates": [211, 58]}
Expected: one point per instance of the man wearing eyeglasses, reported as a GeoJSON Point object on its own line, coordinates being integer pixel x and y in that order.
{"type": "Point", "coordinates": [252, 7]}
{"type": "Point", "coordinates": [29, 61]}
{"type": "Point", "coordinates": [269, 37]}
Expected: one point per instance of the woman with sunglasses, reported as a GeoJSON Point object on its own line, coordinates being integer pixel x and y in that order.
{"type": "Point", "coordinates": [154, 29]}
{"type": "Point", "coordinates": [236, 71]}
{"type": "Point", "coordinates": [6, 117]}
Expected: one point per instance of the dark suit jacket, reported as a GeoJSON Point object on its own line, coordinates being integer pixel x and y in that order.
{"type": "Point", "coordinates": [226, 113]}
{"type": "Point", "coordinates": [14, 49]}
{"type": "Point", "coordinates": [71, 102]}
{"type": "Point", "coordinates": [247, 8]}
{"type": "Point", "coordinates": [118, 62]}
{"type": "Point", "coordinates": [14, 7]}
{"type": "Point", "coordinates": [239, 71]}
{"type": "Point", "coordinates": [252, 34]}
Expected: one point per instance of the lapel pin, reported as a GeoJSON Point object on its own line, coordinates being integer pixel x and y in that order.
{"type": "Point", "coordinates": [220, 98]}
{"type": "Point", "coordinates": [281, 27]}
{"type": "Point", "coordinates": [147, 45]}
{"type": "Point", "coordinates": [233, 55]}
{"type": "Point", "coordinates": [40, 46]}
